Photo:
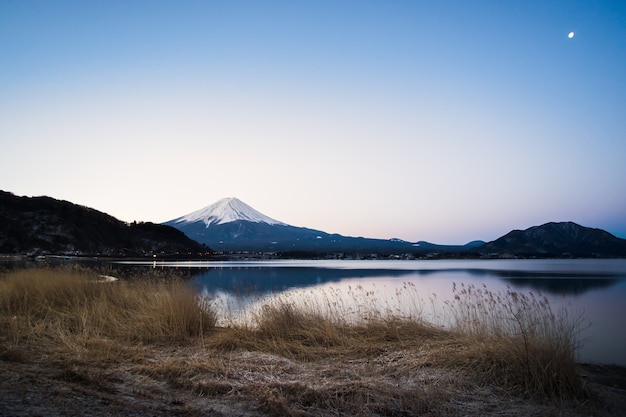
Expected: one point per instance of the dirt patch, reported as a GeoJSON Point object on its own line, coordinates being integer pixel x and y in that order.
{"type": "Point", "coordinates": [193, 382]}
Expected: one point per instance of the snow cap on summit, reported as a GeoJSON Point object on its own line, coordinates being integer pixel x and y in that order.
{"type": "Point", "coordinates": [223, 211]}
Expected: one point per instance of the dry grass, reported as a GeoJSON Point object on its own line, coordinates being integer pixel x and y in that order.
{"type": "Point", "coordinates": [517, 341]}
{"type": "Point", "coordinates": [289, 358]}
{"type": "Point", "coordinates": [75, 306]}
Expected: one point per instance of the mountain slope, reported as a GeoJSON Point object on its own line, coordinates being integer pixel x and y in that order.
{"type": "Point", "coordinates": [43, 225]}
{"type": "Point", "coordinates": [230, 225]}
{"type": "Point", "coordinates": [557, 239]}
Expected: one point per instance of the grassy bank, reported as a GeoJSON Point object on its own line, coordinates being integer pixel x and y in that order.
{"type": "Point", "coordinates": [288, 359]}
{"type": "Point", "coordinates": [75, 306]}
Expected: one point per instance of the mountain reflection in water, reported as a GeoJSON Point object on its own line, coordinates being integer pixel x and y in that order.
{"type": "Point", "coordinates": [270, 279]}
{"type": "Point", "coordinates": [557, 277]}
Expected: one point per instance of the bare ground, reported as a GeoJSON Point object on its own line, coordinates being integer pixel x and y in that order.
{"type": "Point", "coordinates": [191, 381]}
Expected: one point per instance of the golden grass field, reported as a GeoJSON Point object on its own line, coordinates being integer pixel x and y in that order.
{"type": "Point", "coordinates": [150, 346]}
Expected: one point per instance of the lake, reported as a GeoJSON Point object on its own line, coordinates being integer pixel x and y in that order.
{"type": "Point", "coordinates": [595, 289]}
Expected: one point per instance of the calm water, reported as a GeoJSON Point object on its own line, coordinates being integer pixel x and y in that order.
{"type": "Point", "coordinates": [594, 288]}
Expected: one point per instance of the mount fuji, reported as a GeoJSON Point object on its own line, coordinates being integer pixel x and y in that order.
{"type": "Point", "coordinates": [224, 211]}
{"type": "Point", "coordinates": [230, 225]}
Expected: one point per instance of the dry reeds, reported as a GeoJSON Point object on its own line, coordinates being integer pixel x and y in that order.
{"type": "Point", "coordinates": [372, 359]}
{"type": "Point", "coordinates": [73, 305]}
{"type": "Point", "coordinates": [512, 340]}
{"type": "Point", "coordinates": [517, 341]}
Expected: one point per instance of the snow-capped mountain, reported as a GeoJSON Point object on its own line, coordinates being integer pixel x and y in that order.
{"type": "Point", "coordinates": [223, 211]}
{"type": "Point", "coordinates": [232, 225]}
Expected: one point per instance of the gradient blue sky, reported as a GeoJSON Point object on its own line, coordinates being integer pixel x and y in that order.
{"type": "Point", "coordinates": [444, 121]}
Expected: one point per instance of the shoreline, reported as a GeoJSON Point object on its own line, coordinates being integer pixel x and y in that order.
{"type": "Point", "coordinates": [70, 345]}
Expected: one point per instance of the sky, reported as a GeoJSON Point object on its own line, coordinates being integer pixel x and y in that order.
{"type": "Point", "coordinates": [444, 121]}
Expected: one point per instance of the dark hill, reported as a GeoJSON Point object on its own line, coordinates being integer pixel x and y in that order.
{"type": "Point", "coordinates": [43, 226]}
{"type": "Point", "coordinates": [244, 235]}
{"type": "Point", "coordinates": [557, 240]}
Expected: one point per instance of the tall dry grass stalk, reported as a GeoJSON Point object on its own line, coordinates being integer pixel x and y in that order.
{"type": "Point", "coordinates": [353, 305]}
{"type": "Point", "coordinates": [69, 305]}
{"type": "Point", "coordinates": [517, 340]}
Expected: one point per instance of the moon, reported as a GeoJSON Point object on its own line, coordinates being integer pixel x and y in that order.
{"type": "Point", "coordinates": [570, 35]}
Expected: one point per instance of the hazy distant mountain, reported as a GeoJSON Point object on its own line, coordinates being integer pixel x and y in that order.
{"type": "Point", "coordinates": [232, 225]}
{"type": "Point", "coordinates": [43, 225]}
{"type": "Point", "coordinates": [557, 239]}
